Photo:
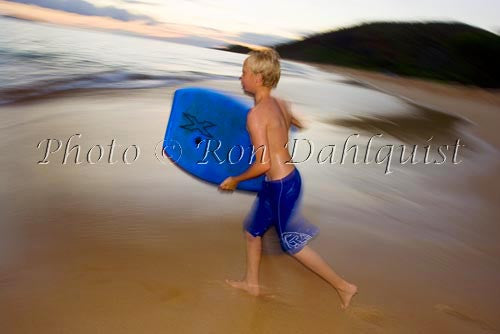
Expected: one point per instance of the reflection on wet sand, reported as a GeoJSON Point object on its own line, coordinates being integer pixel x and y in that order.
{"type": "Point", "coordinates": [416, 127]}
{"type": "Point", "coordinates": [352, 82]}
{"type": "Point", "coordinates": [476, 322]}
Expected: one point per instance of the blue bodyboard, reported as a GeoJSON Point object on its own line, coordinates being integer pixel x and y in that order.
{"type": "Point", "coordinates": [206, 136]}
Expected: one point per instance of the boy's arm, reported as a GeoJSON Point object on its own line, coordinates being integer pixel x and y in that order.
{"type": "Point", "coordinates": [258, 135]}
{"type": "Point", "coordinates": [293, 120]}
{"type": "Point", "coordinates": [297, 123]}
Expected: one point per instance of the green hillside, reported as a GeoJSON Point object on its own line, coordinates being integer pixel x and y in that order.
{"type": "Point", "coordinates": [453, 52]}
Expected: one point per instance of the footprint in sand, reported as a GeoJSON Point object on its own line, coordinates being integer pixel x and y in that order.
{"type": "Point", "coordinates": [369, 314]}
{"type": "Point", "coordinates": [7, 278]}
{"type": "Point", "coordinates": [452, 311]}
{"type": "Point", "coordinates": [161, 291]}
{"type": "Point", "coordinates": [266, 293]}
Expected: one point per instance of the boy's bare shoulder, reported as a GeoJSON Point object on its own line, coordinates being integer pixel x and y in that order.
{"type": "Point", "coordinates": [284, 105]}
{"type": "Point", "coordinates": [264, 107]}
{"type": "Point", "coordinates": [256, 117]}
{"type": "Point", "coordinates": [258, 112]}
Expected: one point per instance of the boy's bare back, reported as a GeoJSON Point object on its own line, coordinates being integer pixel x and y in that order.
{"type": "Point", "coordinates": [275, 117]}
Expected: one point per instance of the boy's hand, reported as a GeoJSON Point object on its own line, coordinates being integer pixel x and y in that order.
{"type": "Point", "coordinates": [229, 184]}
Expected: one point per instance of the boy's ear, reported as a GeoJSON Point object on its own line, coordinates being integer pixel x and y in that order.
{"type": "Point", "coordinates": [258, 78]}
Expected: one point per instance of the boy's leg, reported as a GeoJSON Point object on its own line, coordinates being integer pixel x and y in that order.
{"type": "Point", "coordinates": [314, 262]}
{"type": "Point", "coordinates": [254, 251]}
{"type": "Point", "coordinates": [256, 224]}
{"type": "Point", "coordinates": [251, 281]}
{"type": "Point", "coordinates": [295, 232]}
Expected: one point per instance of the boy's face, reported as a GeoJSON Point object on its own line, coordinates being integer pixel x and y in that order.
{"type": "Point", "coordinates": [248, 79]}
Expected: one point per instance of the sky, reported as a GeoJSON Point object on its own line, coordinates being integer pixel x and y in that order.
{"type": "Point", "coordinates": [256, 22]}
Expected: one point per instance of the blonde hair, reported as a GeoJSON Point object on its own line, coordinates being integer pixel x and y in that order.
{"type": "Point", "coordinates": [267, 63]}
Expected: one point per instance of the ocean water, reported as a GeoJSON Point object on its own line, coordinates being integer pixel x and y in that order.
{"type": "Point", "coordinates": [38, 59]}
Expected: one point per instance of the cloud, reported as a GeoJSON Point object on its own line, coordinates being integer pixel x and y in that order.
{"type": "Point", "coordinates": [86, 8]}
{"type": "Point", "coordinates": [180, 33]}
{"type": "Point", "coordinates": [138, 2]}
{"type": "Point", "coordinates": [41, 14]}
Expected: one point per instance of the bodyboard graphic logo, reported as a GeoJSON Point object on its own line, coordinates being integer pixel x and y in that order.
{"type": "Point", "coordinates": [194, 124]}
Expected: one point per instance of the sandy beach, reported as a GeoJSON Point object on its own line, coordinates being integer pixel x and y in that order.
{"type": "Point", "coordinates": [141, 247]}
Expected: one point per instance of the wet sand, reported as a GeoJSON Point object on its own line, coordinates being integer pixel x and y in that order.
{"type": "Point", "coordinates": [119, 248]}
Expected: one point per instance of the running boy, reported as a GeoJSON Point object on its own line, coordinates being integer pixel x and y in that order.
{"type": "Point", "coordinates": [268, 124]}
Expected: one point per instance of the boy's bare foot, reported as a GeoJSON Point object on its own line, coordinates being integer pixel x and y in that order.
{"type": "Point", "coordinates": [252, 289]}
{"type": "Point", "coordinates": [346, 294]}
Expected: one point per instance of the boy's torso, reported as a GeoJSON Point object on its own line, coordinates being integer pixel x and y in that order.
{"type": "Point", "coordinates": [277, 119]}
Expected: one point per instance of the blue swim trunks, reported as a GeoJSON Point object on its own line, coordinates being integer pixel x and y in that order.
{"type": "Point", "coordinates": [278, 204]}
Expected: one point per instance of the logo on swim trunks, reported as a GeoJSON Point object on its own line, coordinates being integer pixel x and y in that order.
{"type": "Point", "coordinates": [295, 239]}
{"type": "Point", "coordinates": [194, 125]}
